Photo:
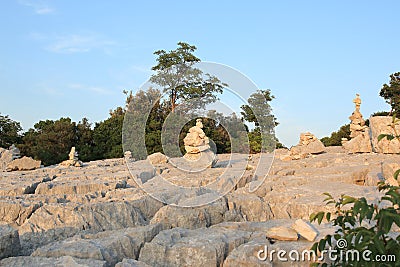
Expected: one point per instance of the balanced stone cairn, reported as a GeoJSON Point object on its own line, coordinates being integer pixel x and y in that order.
{"type": "Point", "coordinates": [357, 125]}
{"type": "Point", "coordinates": [197, 145]}
{"type": "Point", "coordinates": [73, 159]}
{"type": "Point", "coordinates": [359, 132]}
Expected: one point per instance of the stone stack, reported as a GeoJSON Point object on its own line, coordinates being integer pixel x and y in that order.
{"type": "Point", "coordinates": [73, 159]}
{"type": "Point", "coordinates": [359, 132]}
{"type": "Point", "coordinates": [197, 145]}
{"type": "Point", "coordinates": [309, 144]}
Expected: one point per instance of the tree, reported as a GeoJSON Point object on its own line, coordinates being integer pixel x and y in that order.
{"type": "Point", "coordinates": [391, 93]}
{"type": "Point", "coordinates": [336, 137]}
{"type": "Point", "coordinates": [259, 112]}
{"type": "Point", "coordinates": [50, 141]}
{"type": "Point", "coordinates": [84, 140]}
{"type": "Point", "coordinates": [9, 131]}
{"type": "Point", "coordinates": [107, 137]}
{"type": "Point", "coordinates": [176, 74]}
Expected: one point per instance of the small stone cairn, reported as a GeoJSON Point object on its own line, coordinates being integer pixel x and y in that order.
{"type": "Point", "coordinates": [73, 159]}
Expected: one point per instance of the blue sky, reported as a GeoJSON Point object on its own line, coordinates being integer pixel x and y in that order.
{"type": "Point", "coordinates": [74, 58]}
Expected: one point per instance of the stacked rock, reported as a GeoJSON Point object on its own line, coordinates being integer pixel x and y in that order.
{"type": "Point", "coordinates": [16, 154]}
{"type": "Point", "coordinates": [197, 144]}
{"type": "Point", "coordinates": [359, 133]}
{"type": "Point", "coordinates": [73, 159]}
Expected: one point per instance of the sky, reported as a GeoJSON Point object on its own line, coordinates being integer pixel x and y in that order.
{"type": "Point", "coordinates": [73, 58]}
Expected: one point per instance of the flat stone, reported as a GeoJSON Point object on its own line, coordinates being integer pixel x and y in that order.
{"type": "Point", "coordinates": [282, 233]}
{"type": "Point", "coordinates": [305, 229]}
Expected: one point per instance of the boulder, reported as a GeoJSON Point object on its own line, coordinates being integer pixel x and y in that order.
{"type": "Point", "coordinates": [131, 263]}
{"type": "Point", "coordinates": [6, 156]}
{"type": "Point", "coordinates": [109, 246]}
{"type": "Point", "coordinates": [305, 229]}
{"type": "Point", "coordinates": [388, 169]}
{"type": "Point", "coordinates": [383, 125]}
{"type": "Point", "coordinates": [157, 158]}
{"type": "Point", "coordinates": [43, 261]}
{"type": "Point", "coordinates": [308, 144]}
{"type": "Point", "coordinates": [282, 233]}
{"type": "Point", "coordinates": [359, 144]}
{"type": "Point", "coordinates": [23, 164]}
{"type": "Point", "coordinates": [9, 242]}
{"type": "Point", "coordinates": [200, 247]}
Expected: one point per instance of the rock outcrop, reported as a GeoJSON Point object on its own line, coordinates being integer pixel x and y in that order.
{"type": "Point", "coordinates": [23, 164]}
{"type": "Point", "coordinates": [384, 125]}
{"type": "Point", "coordinates": [309, 144]}
{"type": "Point", "coordinates": [9, 242]}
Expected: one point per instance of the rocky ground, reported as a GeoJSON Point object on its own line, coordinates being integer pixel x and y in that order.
{"type": "Point", "coordinates": [97, 215]}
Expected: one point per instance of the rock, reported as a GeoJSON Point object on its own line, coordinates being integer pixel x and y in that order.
{"type": "Point", "coordinates": [359, 144]}
{"type": "Point", "coordinates": [157, 158]}
{"type": "Point", "coordinates": [282, 233]}
{"type": "Point", "coordinates": [305, 229]}
{"type": "Point", "coordinates": [131, 263]}
{"type": "Point", "coordinates": [109, 246]}
{"type": "Point", "coordinates": [48, 262]}
{"type": "Point", "coordinates": [382, 125]}
{"type": "Point", "coordinates": [200, 247]}
{"type": "Point", "coordinates": [73, 159]}
{"type": "Point", "coordinates": [9, 242]}
{"type": "Point", "coordinates": [308, 144]}
{"type": "Point", "coordinates": [23, 164]}
{"type": "Point", "coordinates": [6, 156]}
{"type": "Point", "coordinates": [388, 170]}
{"type": "Point", "coordinates": [249, 206]}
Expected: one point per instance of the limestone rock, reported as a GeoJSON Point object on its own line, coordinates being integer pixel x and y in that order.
{"type": "Point", "coordinates": [305, 229]}
{"type": "Point", "coordinates": [308, 144]}
{"type": "Point", "coordinates": [49, 262]}
{"type": "Point", "coordinates": [200, 247]}
{"type": "Point", "coordinates": [6, 157]}
{"type": "Point", "coordinates": [131, 263]}
{"type": "Point", "coordinates": [23, 164]}
{"type": "Point", "coordinates": [109, 246]}
{"type": "Point", "coordinates": [73, 159]}
{"type": "Point", "coordinates": [361, 143]}
{"type": "Point", "coordinates": [282, 233]}
{"type": "Point", "coordinates": [9, 242]}
{"type": "Point", "coordinates": [389, 168]}
{"type": "Point", "coordinates": [157, 158]}
{"type": "Point", "coordinates": [382, 125]}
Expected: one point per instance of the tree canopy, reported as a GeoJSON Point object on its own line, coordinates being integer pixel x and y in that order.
{"type": "Point", "coordinates": [9, 131]}
{"type": "Point", "coordinates": [391, 93]}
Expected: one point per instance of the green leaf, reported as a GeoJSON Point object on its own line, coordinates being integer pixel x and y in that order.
{"type": "Point", "coordinates": [328, 216]}
{"type": "Point", "coordinates": [320, 217]}
{"type": "Point", "coordinates": [381, 136]}
{"type": "Point", "coordinates": [321, 245]}
{"type": "Point", "coordinates": [347, 200]}
{"type": "Point", "coordinates": [396, 174]}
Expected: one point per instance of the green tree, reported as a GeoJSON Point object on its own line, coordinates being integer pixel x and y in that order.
{"type": "Point", "coordinates": [84, 140]}
{"type": "Point", "coordinates": [107, 137]}
{"type": "Point", "coordinates": [259, 112]}
{"type": "Point", "coordinates": [9, 131]}
{"type": "Point", "coordinates": [336, 137]}
{"type": "Point", "coordinates": [176, 74]}
{"type": "Point", "coordinates": [50, 141]}
{"type": "Point", "coordinates": [391, 93]}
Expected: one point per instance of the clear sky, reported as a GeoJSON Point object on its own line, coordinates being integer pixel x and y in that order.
{"type": "Point", "coordinates": [73, 58]}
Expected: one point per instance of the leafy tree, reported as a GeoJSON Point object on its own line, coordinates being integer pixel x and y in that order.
{"type": "Point", "coordinates": [107, 137]}
{"type": "Point", "coordinates": [176, 74]}
{"type": "Point", "coordinates": [50, 141]}
{"type": "Point", "coordinates": [84, 140]}
{"type": "Point", "coordinates": [259, 112]}
{"type": "Point", "coordinates": [380, 113]}
{"type": "Point", "coordinates": [391, 93]}
{"type": "Point", "coordinates": [336, 137]}
{"type": "Point", "coordinates": [9, 131]}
